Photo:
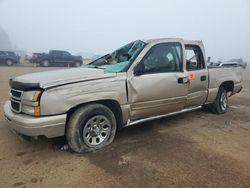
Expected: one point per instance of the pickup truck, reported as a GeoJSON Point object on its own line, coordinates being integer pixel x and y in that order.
{"type": "Point", "coordinates": [8, 58]}
{"type": "Point", "coordinates": [141, 81]}
{"type": "Point", "coordinates": [56, 58]}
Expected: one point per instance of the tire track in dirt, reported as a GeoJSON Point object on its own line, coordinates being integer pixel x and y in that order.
{"type": "Point", "coordinates": [166, 160]}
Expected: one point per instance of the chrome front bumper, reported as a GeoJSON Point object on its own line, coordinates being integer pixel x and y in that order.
{"type": "Point", "coordinates": [50, 126]}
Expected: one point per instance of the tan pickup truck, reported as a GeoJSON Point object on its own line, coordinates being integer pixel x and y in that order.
{"type": "Point", "coordinates": [140, 81]}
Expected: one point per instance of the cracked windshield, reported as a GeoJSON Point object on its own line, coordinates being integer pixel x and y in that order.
{"type": "Point", "coordinates": [119, 60]}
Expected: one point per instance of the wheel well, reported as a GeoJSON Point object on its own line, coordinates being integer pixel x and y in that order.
{"type": "Point", "coordinates": [228, 86]}
{"type": "Point", "coordinates": [8, 59]}
{"type": "Point", "coordinates": [113, 105]}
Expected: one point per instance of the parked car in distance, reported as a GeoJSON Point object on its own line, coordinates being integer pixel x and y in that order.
{"type": "Point", "coordinates": [56, 58]}
{"type": "Point", "coordinates": [9, 58]}
{"type": "Point", "coordinates": [228, 64]}
{"type": "Point", "coordinates": [141, 81]}
{"type": "Point", "coordinates": [33, 58]}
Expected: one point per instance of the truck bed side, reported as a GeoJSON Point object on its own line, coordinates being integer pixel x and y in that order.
{"type": "Point", "coordinates": [218, 76]}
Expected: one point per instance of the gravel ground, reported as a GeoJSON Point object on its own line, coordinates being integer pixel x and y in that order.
{"type": "Point", "coordinates": [196, 149]}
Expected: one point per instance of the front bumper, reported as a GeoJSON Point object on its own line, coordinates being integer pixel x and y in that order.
{"type": "Point", "coordinates": [50, 126]}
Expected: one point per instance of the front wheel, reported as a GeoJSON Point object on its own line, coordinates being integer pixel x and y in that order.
{"type": "Point", "coordinates": [220, 105]}
{"type": "Point", "coordinates": [9, 62]}
{"type": "Point", "coordinates": [91, 127]}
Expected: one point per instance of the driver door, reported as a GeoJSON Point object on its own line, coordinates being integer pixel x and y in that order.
{"type": "Point", "coordinates": [159, 84]}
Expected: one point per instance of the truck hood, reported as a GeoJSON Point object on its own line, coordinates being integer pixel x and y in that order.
{"type": "Point", "coordinates": [59, 77]}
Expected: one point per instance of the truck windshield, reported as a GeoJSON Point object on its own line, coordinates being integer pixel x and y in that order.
{"type": "Point", "coordinates": [119, 60]}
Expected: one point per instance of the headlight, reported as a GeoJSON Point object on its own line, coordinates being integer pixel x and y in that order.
{"type": "Point", "coordinates": [31, 95]}
{"type": "Point", "coordinates": [30, 102]}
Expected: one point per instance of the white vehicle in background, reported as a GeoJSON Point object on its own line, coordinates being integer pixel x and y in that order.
{"type": "Point", "coordinates": [230, 63]}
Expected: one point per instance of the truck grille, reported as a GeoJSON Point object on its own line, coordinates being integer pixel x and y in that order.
{"type": "Point", "coordinates": [15, 98]}
{"type": "Point", "coordinates": [16, 93]}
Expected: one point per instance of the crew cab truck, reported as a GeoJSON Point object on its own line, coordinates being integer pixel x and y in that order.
{"type": "Point", "coordinates": [140, 81]}
{"type": "Point", "coordinates": [56, 58]}
{"type": "Point", "coordinates": [8, 58]}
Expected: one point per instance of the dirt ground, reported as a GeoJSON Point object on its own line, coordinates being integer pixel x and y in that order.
{"type": "Point", "coordinates": [197, 149]}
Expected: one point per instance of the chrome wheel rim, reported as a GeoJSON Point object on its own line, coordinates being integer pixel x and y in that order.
{"type": "Point", "coordinates": [45, 63]}
{"type": "Point", "coordinates": [96, 130]}
{"type": "Point", "coordinates": [78, 64]}
{"type": "Point", "coordinates": [223, 101]}
{"type": "Point", "coordinates": [9, 62]}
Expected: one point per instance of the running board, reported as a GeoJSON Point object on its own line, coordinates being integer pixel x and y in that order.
{"type": "Point", "coordinates": [161, 116]}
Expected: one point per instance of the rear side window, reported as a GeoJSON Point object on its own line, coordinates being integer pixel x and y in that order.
{"type": "Point", "coordinates": [65, 54]}
{"type": "Point", "coordinates": [54, 53]}
{"type": "Point", "coordinates": [194, 58]}
{"type": "Point", "coordinates": [164, 57]}
{"type": "Point", "coordinates": [10, 53]}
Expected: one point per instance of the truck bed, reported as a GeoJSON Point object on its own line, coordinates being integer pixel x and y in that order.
{"type": "Point", "coordinates": [218, 75]}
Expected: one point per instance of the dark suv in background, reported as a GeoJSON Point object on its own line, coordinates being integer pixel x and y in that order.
{"type": "Point", "coordinates": [56, 58]}
{"type": "Point", "coordinates": [9, 58]}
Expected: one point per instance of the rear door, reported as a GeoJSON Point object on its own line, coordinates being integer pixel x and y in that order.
{"type": "Point", "coordinates": [55, 57]}
{"type": "Point", "coordinates": [198, 76]}
{"type": "Point", "coordinates": [61, 58]}
{"type": "Point", "coordinates": [158, 84]}
{"type": "Point", "coordinates": [67, 58]}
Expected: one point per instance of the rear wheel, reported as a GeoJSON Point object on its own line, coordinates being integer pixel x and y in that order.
{"type": "Point", "coordinates": [45, 63]}
{"type": "Point", "coordinates": [77, 64]}
{"type": "Point", "coordinates": [91, 127]}
{"type": "Point", "coordinates": [220, 104]}
{"type": "Point", "coordinates": [9, 62]}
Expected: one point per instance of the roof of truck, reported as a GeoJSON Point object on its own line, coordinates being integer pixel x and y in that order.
{"type": "Point", "coordinates": [181, 39]}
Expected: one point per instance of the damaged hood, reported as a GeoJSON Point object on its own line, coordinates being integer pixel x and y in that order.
{"type": "Point", "coordinates": [59, 77]}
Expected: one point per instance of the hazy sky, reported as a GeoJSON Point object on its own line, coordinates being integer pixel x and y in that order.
{"type": "Point", "coordinates": [102, 26]}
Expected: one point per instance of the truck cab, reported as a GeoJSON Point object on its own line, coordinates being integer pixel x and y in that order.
{"type": "Point", "coordinates": [58, 57]}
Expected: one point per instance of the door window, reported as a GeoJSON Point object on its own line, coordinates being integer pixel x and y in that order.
{"type": "Point", "coordinates": [164, 57]}
{"type": "Point", "coordinates": [66, 54]}
{"type": "Point", "coordinates": [194, 58]}
{"type": "Point", "coordinates": [55, 53]}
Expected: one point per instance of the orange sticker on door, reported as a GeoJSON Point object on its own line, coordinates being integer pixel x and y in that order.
{"type": "Point", "coordinates": [191, 75]}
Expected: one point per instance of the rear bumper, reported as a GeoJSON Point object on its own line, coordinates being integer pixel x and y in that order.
{"type": "Point", "coordinates": [50, 126]}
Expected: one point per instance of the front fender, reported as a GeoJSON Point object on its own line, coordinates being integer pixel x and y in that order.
{"type": "Point", "coordinates": [61, 99]}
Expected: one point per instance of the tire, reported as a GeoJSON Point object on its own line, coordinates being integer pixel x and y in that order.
{"type": "Point", "coordinates": [90, 128]}
{"type": "Point", "coordinates": [220, 105]}
{"type": "Point", "coordinates": [45, 63]}
{"type": "Point", "coordinates": [9, 62]}
{"type": "Point", "coordinates": [77, 64]}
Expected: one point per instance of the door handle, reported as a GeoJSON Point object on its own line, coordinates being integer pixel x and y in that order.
{"type": "Point", "coordinates": [183, 80]}
{"type": "Point", "coordinates": [203, 78]}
